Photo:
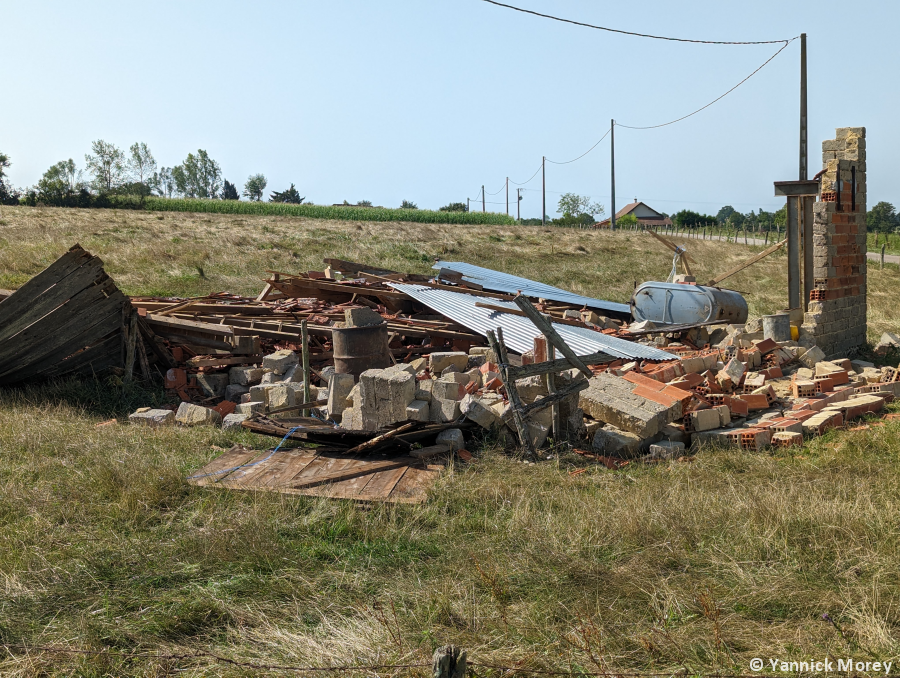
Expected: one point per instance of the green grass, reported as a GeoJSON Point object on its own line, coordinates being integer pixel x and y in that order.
{"type": "Point", "coordinates": [682, 567]}
{"type": "Point", "coordinates": [876, 240]}
{"type": "Point", "coordinates": [340, 212]}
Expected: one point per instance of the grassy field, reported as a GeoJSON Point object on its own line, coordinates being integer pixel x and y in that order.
{"type": "Point", "coordinates": [338, 212]}
{"type": "Point", "coordinates": [694, 566]}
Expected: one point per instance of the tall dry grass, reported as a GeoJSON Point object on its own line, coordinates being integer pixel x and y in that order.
{"type": "Point", "coordinates": [686, 566]}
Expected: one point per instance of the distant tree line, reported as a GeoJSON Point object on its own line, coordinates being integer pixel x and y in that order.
{"type": "Point", "coordinates": [111, 171]}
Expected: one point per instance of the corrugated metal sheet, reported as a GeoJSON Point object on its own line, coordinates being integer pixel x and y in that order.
{"type": "Point", "coordinates": [510, 284]}
{"type": "Point", "coordinates": [518, 331]}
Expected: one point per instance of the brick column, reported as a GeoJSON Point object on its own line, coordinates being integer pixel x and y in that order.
{"type": "Point", "coordinates": [836, 317]}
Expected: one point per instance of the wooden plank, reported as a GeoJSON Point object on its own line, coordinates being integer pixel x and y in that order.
{"type": "Point", "coordinates": [236, 456]}
{"type": "Point", "coordinates": [377, 440]}
{"type": "Point", "coordinates": [202, 342]}
{"type": "Point", "coordinates": [383, 483]}
{"type": "Point", "coordinates": [28, 294]}
{"type": "Point", "coordinates": [46, 302]}
{"type": "Point", "coordinates": [360, 468]}
{"type": "Point", "coordinates": [354, 268]}
{"type": "Point", "coordinates": [413, 485]}
{"type": "Point", "coordinates": [559, 396]}
{"type": "Point", "coordinates": [431, 451]}
{"type": "Point", "coordinates": [496, 342]}
{"type": "Point", "coordinates": [224, 361]}
{"type": "Point", "coordinates": [334, 287]}
{"type": "Point", "coordinates": [560, 365]}
{"type": "Point", "coordinates": [57, 346]}
{"type": "Point", "coordinates": [749, 262]}
{"type": "Point", "coordinates": [101, 349]}
{"type": "Point", "coordinates": [179, 325]}
{"type": "Point", "coordinates": [295, 465]}
{"type": "Point", "coordinates": [61, 325]}
{"type": "Point", "coordinates": [552, 336]}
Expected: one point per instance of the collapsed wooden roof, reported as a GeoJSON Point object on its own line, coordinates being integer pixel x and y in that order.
{"type": "Point", "coordinates": [66, 320]}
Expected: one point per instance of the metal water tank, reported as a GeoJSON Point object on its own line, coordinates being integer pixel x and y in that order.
{"type": "Point", "coordinates": [682, 304]}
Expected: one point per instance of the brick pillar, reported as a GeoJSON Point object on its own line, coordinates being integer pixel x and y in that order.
{"type": "Point", "coordinates": [836, 317]}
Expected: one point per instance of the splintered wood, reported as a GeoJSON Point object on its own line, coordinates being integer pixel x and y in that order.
{"type": "Point", "coordinates": [398, 480]}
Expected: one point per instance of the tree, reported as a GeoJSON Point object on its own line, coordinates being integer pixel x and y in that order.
{"type": "Point", "coordinates": [141, 163]}
{"type": "Point", "coordinates": [882, 218]}
{"type": "Point", "coordinates": [290, 195]}
{"type": "Point", "coordinates": [8, 195]}
{"type": "Point", "coordinates": [59, 183]}
{"type": "Point", "coordinates": [364, 203]}
{"type": "Point", "coordinates": [107, 165]}
{"type": "Point", "coordinates": [408, 205]}
{"type": "Point", "coordinates": [688, 218]}
{"type": "Point", "coordinates": [199, 176]}
{"type": "Point", "coordinates": [230, 191]}
{"type": "Point", "coordinates": [163, 183]}
{"type": "Point", "coordinates": [455, 207]}
{"type": "Point", "coordinates": [628, 220]}
{"type": "Point", "coordinates": [723, 214]}
{"type": "Point", "coordinates": [573, 206]}
{"type": "Point", "coordinates": [254, 187]}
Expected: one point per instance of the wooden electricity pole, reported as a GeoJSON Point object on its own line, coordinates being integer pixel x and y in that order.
{"type": "Point", "coordinates": [507, 196]}
{"type": "Point", "coordinates": [482, 198]}
{"type": "Point", "coordinates": [543, 190]}
{"type": "Point", "coordinates": [804, 150]}
{"type": "Point", "coordinates": [612, 160]}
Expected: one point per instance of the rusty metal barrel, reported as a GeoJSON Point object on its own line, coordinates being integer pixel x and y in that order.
{"type": "Point", "coordinates": [357, 349]}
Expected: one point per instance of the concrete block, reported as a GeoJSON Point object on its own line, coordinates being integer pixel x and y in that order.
{"type": "Point", "coordinates": [260, 393]}
{"type": "Point", "coordinates": [233, 392]}
{"type": "Point", "coordinates": [245, 376]}
{"type": "Point", "coordinates": [610, 399]}
{"type": "Point", "coordinates": [452, 437]}
{"type": "Point", "coordinates": [734, 370]}
{"type": "Point", "coordinates": [423, 389]}
{"type": "Point", "coordinates": [447, 390]}
{"type": "Point", "coordinates": [441, 360]}
{"type": "Point", "coordinates": [724, 414]}
{"type": "Point", "coordinates": [280, 395]}
{"type": "Point", "coordinates": [666, 449]}
{"type": "Point", "coordinates": [812, 356]}
{"type": "Point", "coordinates": [280, 361]}
{"type": "Point", "coordinates": [213, 383]}
{"type": "Point", "coordinates": [152, 418]}
{"type": "Point", "coordinates": [418, 410]}
{"type": "Point", "coordinates": [339, 392]}
{"type": "Point", "coordinates": [361, 317]}
{"type": "Point", "coordinates": [613, 442]}
{"type": "Point", "coordinates": [531, 388]}
{"type": "Point", "coordinates": [194, 415]}
{"type": "Point", "coordinates": [270, 378]}
{"type": "Point", "coordinates": [234, 420]}
{"type": "Point", "coordinates": [443, 411]}
{"type": "Point", "coordinates": [455, 376]}
{"type": "Point", "coordinates": [253, 407]}
{"type": "Point", "coordinates": [479, 411]}
{"type": "Point", "coordinates": [706, 420]}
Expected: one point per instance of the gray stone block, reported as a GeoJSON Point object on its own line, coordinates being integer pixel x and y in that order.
{"type": "Point", "coordinates": [234, 421]}
{"type": "Point", "coordinates": [152, 418]}
{"type": "Point", "coordinates": [195, 415]}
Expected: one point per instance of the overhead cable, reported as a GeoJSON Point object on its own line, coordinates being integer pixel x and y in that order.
{"type": "Point", "coordinates": [529, 180]}
{"type": "Point", "coordinates": [672, 122]}
{"type": "Point", "coordinates": [583, 154]}
{"type": "Point", "coordinates": [639, 35]}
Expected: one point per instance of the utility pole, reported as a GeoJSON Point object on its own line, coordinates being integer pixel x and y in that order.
{"type": "Point", "coordinates": [482, 197]}
{"type": "Point", "coordinates": [507, 196]}
{"type": "Point", "coordinates": [543, 190]}
{"type": "Point", "coordinates": [612, 160]}
{"type": "Point", "coordinates": [468, 206]}
{"type": "Point", "coordinates": [519, 204]}
{"type": "Point", "coordinates": [804, 151]}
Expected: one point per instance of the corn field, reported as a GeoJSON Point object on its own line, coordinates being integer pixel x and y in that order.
{"type": "Point", "coordinates": [344, 213]}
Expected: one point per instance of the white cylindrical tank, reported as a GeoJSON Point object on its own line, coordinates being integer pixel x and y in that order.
{"type": "Point", "coordinates": [686, 304]}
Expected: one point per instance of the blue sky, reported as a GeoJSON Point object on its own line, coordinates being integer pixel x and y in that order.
{"type": "Point", "coordinates": [426, 100]}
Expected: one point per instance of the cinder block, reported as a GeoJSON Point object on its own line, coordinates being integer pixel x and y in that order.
{"type": "Point", "coordinates": [195, 415]}
{"type": "Point", "coordinates": [153, 418]}
{"type": "Point", "coordinates": [418, 410]}
{"type": "Point", "coordinates": [280, 361]}
{"type": "Point", "coordinates": [440, 361]}
{"type": "Point", "coordinates": [213, 383]}
{"type": "Point", "coordinates": [245, 376]}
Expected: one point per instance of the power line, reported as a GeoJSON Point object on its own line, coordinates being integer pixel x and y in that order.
{"type": "Point", "coordinates": [672, 122]}
{"type": "Point", "coordinates": [639, 35]}
{"type": "Point", "coordinates": [529, 181]}
{"type": "Point", "coordinates": [583, 154]}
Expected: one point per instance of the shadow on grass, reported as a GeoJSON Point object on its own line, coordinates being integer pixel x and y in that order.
{"type": "Point", "coordinates": [100, 396]}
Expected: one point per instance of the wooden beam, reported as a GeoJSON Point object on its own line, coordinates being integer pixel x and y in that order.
{"type": "Point", "coordinates": [509, 383]}
{"type": "Point", "coordinates": [749, 262]}
{"type": "Point", "coordinates": [552, 336]}
{"type": "Point", "coordinates": [672, 246]}
{"type": "Point", "coordinates": [377, 440]}
{"type": "Point", "coordinates": [560, 365]}
{"type": "Point", "coordinates": [178, 324]}
{"type": "Point", "coordinates": [363, 469]}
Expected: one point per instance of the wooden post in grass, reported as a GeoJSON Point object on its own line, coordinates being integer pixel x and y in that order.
{"type": "Point", "coordinates": [131, 347]}
{"type": "Point", "coordinates": [883, 245]}
{"type": "Point", "coordinates": [448, 662]}
{"type": "Point", "coordinates": [304, 337]}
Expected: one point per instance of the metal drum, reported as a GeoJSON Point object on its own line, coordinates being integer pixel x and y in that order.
{"type": "Point", "coordinates": [357, 349]}
{"type": "Point", "coordinates": [680, 304]}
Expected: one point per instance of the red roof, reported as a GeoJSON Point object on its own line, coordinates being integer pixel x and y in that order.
{"type": "Point", "coordinates": [647, 221]}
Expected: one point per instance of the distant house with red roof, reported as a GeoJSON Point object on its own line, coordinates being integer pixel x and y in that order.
{"type": "Point", "coordinates": [646, 216]}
